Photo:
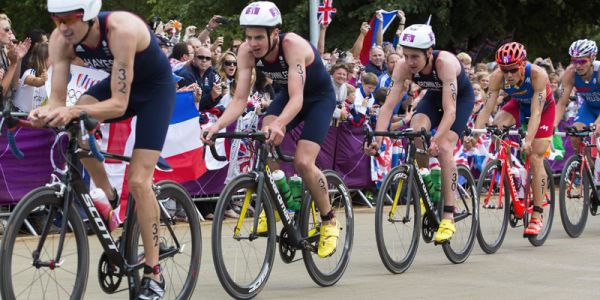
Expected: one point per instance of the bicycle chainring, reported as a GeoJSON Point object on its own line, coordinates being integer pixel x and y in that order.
{"type": "Point", "coordinates": [427, 229]}
{"type": "Point", "coordinates": [286, 250]}
{"type": "Point", "coordinates": [513, 220]}
{"type": "Point", "coordinates": [109, 275]}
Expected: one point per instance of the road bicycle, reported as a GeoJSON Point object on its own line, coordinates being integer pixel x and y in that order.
{"type": "Point", "coordinates": [243, 258]}
{"type": "Point", "coordinates": [398, 226]}
{"type": "Point", "coordinates": [45, 251]}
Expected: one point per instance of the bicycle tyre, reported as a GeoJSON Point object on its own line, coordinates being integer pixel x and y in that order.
{"type": "Point", "coordinates": [490, 243]}
{"type": "Point", "coordinates": [458, 252]}
{"type": "Point", "coordinates": [175, 201]}
{"type": "Point", "coordinates": [34, 208]}
{"type": "Point", "coordinates": [389, 188]}
{"type": "Point", "coordinates": [575, 224]}
{"type": "Point", "coordinates": [338, 262]}
{"type": "Point", "coordinates": [227, 277]}
{"type": "Point", "coordinates": [540, 239]}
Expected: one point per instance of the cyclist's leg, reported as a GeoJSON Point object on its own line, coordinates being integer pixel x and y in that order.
{"type": "Point", "coordinates": [95, 94]}
{"type": "Point", "coordinates": [585, 116]}
{"type": "Point", "coordinates": [428, 112]}
{"type": "Point", "coordinates": [273, 111]}
{"type": "Point", "coordinates": [540, 144]}
{"type": "Point", "coordinates": [508, 115]}
{"type": "Point", "coordinates": [154, 107]}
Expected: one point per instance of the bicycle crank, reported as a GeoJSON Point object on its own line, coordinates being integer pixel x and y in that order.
{"type": "Point", "coordinates": [427, 230]}
{"type": "Point", "coordinates": [286, 250]}
{"type": "Point", "coordinates": [109, 275]}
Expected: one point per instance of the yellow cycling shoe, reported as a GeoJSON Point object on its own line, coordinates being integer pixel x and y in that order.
{"type": "Point", "coordinates": [422, 207]}
{"type": "Point", "coordinates": [262, 222]}
{"type": "Point", "coordinates": [328, 239]}
{"type": "Point", "coordinates": [445, 232]}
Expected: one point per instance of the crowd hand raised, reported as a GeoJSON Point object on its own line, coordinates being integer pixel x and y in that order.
{"type": "Point", "coordinates": [364, 28]}
{"type": "Point", "coordinates": [379, 16]}
{"type": "Point", "coordinates": [217, 90]}
{"type": "Point", "coordinates": [212, 24]}
{"type": "Point", "coordinates": [401, 16]}
{"type": "Point", "coordinates": [372, 149]}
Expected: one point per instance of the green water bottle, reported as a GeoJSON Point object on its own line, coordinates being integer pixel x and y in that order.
{"type": "Point", "coordinates": [282, 185]}
{"type": "Point", "coordinates": [426, 175]}
{"type": "Point", "coordinates": [436, 184]}
{"type": "Point", "coordinates": [296, 188]}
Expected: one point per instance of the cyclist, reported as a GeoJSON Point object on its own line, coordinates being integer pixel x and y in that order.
{"type": "Point", "coordinates": [307, 94]}
{"type": "Point", "coordinates": [582, 75]}
{"type": "Point", "coordinates": [140, 84]}
{"type": "Point", "coordinates": [532, 103]}
{"type": "Point", "coordinates": [447, 106]}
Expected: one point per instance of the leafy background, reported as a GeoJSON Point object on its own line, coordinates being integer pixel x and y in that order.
{"type": "Point", "coordinates": [545, 27]}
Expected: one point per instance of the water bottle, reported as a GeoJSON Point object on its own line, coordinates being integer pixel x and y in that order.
{"type": "Point", "coordinates": [282, 185]}
{"type": "Point", "coordinates": [426, 175]}
{"type": "Point", "coordinates": [105, 209]}
{"type": "Point", "coordinates": [597, 171]}
{"type": "Point", "coordinates": [436, 184]}
{"type": "Point", "coordinates": [296, 189]}
{"type": "Point", "coordinates": [519, 182]}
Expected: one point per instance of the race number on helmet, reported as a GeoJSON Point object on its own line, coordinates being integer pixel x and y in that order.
{"type": "Point", "coordinates": [261, 14]}
{"type": "Point", "coordinates": [90, 8]}
{"type": "Point", "coordinates": [419, 36]}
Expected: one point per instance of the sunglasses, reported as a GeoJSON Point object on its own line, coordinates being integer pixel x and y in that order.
{"type": "Point", "coordinates": [506, 71]}
{"type": "Point", "coordinates": [230, 63]}
{"type": "Point", "coordinates": [205, 58]}
{"type": "Point", "coordinates": [581, 61]}
{"type": "Point", "coordinates": [68, 19]}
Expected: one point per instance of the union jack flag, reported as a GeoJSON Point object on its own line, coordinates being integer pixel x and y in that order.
{"type": "Point", "coordinates": [325, 12]}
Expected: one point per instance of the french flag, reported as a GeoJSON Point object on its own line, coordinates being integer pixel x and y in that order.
{"type": "Point", "coordinates": [371, 37]}
{"type": "Point", "coordinates": [183, 149]}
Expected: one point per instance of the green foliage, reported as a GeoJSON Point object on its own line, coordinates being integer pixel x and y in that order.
{"type": "Point", "coordinates": [545, 27]}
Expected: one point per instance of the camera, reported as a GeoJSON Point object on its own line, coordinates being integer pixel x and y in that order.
{"type": "Point", "coordinates": [341, 54]}
{"type": "Point", "coordinates": [221, 20]}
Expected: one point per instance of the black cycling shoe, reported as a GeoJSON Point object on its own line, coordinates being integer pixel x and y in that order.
{"type": "Point", "coordinates": [151, 289]}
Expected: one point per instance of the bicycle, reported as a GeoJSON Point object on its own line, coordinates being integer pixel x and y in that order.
{"type": "Point", "coordinates": [497, 188]}
{"type": "Point", "coordinates": [55, 261]}
{"type": "Point", "coordinates": [237, 245]}
{"type": "Point", "coordinates": [578, 193]}
{"type": "Point", "coordinates": [398, 226]}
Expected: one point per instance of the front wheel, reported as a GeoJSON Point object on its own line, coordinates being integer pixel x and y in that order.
{"type": "Point", "coordinates": [548, 202]}
{"type": "Point", "coordinates": [327, 271]}
{"type": "Point", "coordinates": [494, 210]}
{"type": "Point", "coordinates": [179, 233]}
{"type": "Point", "coordinates": [466, 216]}
{"type": "Point", "coordinates": [397, 226]}
{"type": "Point", "coordinates": [31, 274]}
{"type": "Point", "coordinates": [574, 196]}
{"type": "Point", "coordinates": [243, 260]}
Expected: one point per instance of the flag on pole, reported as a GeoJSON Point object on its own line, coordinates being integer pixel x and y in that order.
{"type": "Point", "coordinates": [325, 12]}
{"type": "Point", "coordinates": [371, 37]}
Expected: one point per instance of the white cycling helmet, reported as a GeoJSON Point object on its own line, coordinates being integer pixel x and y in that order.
{"type": "Point", "coordinates": [418, 36]}
{"type": "Point", "coordinates": [583, 48]}
{"type": "Point", "coordinates": [90, 8]}
{"type": "Point", "coordinates": [261, 14]}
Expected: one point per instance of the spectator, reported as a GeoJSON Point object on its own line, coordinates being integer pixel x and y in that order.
{"type": "Point", "coordinates": [216, 53]}
{"type": "Point", "coordinates": [11, 55]}
{"type": "Point", "coordinates": [363, 98]}
{"type": "Point", "coordinates": [195, 43]}
{"type": "Point", "coordinates": [36, 36]}
{"type": "Point", "coordinates": [385, 79]}
{"type": "Point", "coordinates": [483, 79]}
{"type": "Point", "coordinates": [481, 67]}
{"type": "Point", "coordinates": [181, 54]}
{"type": "Point", "coordinates": [554, 83]}
{"type": "Point", "coordinates": [165, 45]}
{"type": "Point", "coordinates": [465, 59]}
{"type": "Point", "coordinates": [32, 91]}
{"type": "Point", "coordinates": [339, 77]}
{"type": "Point", "coordinates": [227, 67]}
{"type": "Point", "coordinates": [376, 61]}
{"type": "Point", "coordinates": [235, 45]}
{"type": "Point", "coordinates": [213, 24]}
{"type": "Point", "coordinates": [201, 72]}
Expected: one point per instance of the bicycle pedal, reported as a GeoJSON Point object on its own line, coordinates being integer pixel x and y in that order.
{"type": "Point", "coordinates": [436, 243]}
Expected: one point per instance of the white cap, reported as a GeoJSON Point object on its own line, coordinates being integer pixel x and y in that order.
{"type": "Point", "coordinates": [90, 8]}
{"type": "Point", "coordinates": [261, 14]}
{"type": "Point", "coordinates": [419, 36]}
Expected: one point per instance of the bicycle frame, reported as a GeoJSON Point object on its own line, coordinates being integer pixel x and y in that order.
{"type": "Point", "coordinates": [504, 155]}
{"type": "Point", "coordinates": [585, 165]}
{"type": "Point", "coordinates": [262, 173]}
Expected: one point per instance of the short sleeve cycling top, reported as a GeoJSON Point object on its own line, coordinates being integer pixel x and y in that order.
{"type": "Point", "coordinates": [589, 90]}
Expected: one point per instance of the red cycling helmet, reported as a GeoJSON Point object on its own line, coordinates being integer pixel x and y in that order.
{"type": "Point", "coordinates": [511, 54]}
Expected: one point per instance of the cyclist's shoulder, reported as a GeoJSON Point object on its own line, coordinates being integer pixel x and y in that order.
{"type": "Point", "coordinates": [123, 21]}
{"type": "Point", "coordinates": [292, 40]}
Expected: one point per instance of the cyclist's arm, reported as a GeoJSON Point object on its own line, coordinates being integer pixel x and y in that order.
{"type": "Point", "coordinates": [125, 41]}
{"type": "Point", "coordinates": [568, 82]}
{"type": "Point", "coordinates": [245, 65]}
{"type": "Point", "coordinates": [296, 60]}
{"type": "Point", "coordinates": [61, 54]}
{"type": "Point", "coordinates": [397, 90]}
{"type": "Point", "coordinates": [537, 102]}
{"type": "Point", "coordinates": [447, 68]}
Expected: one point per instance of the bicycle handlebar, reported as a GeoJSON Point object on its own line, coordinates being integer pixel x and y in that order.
{"type": "Point", "coordinates": [406, 133]}
{"type": "Point", "coordinates": [573, 131]}
{"type": "Point", "coordinates": [493, 129]}
{"type": "Point", "coordinates": [257, 135]}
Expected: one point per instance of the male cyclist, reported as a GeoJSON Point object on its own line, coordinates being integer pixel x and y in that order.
{"type": "Point", "coordinates": [446, 106]}
{"type": "Point", "coordinates": [531, 103]}
{"type": "Point", "coordinates": [306, 95]}
{"type": "Point", "coordinates": [140, 84]}
{"type": "Point", "coordinates": [582, 75]}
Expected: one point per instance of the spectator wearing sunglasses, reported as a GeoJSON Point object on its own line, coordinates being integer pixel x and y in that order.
{"type": "Point", "coordinates": [227, 67]}
{"type": "Point", "coordinates": [201, 71]}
